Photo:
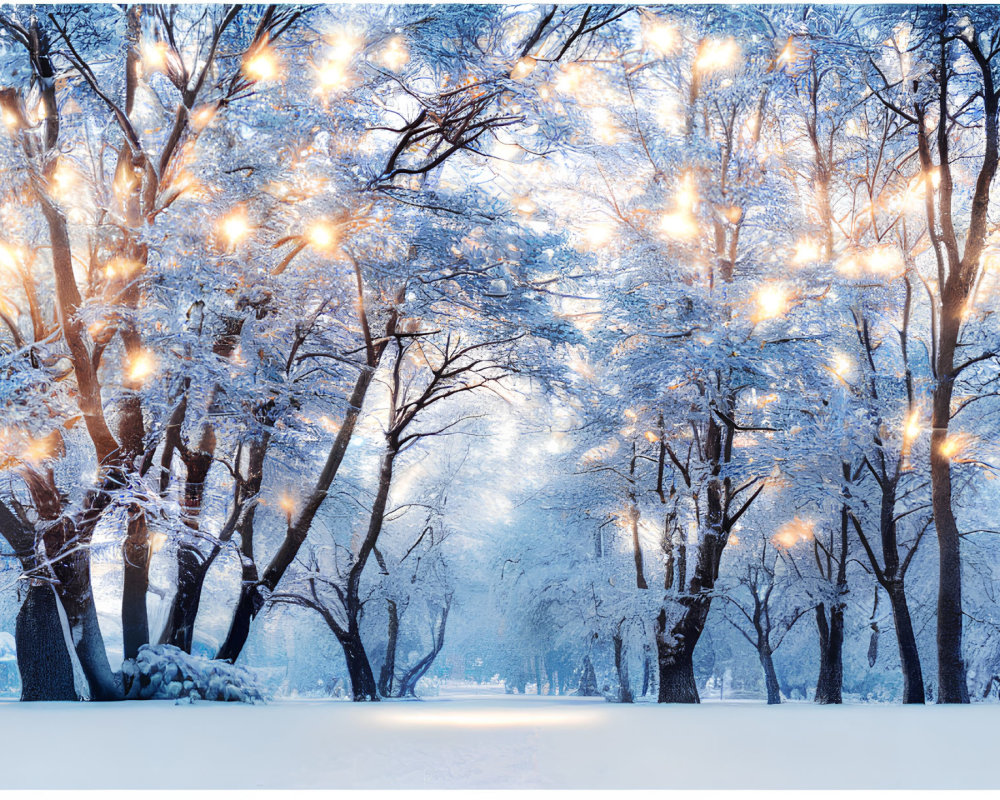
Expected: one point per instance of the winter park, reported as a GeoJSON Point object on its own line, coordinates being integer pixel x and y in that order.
{"type": "Point", "coordinates": [499, 396]}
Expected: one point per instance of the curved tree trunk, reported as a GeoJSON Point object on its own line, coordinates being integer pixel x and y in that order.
{"type": "Point", "coordinates": [359, 669]}
{"type": "Point", "coordinates": [675, 650]}
{"type": "Point", "coordinates": [408, 683]}
{"type": "Point", "coordinates": [42, 658]}
{"type": "Point", "coordinates": [770, 677]}
{"type": "Point", "coordinates": [909, 657]}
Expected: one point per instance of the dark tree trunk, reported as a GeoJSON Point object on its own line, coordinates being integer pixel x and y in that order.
{"type": "Point", "coordinates": [675, 650]}
{"type": "Point", "coordinates": [621, 667]}
{"type": "Point", "coordinates": [646, 673]}
{"type": "Point", "coordinates": [909, 657]}
{"type": "Point", "coordinates": [387, 674]}
{"type": "Point", "coordinates": [359, 670]}
{"type": "Point", "coordinates": [588, 680]}
{"type": "Point", "coordinates": [71, 568]}
{"type": "Point", "coordinates": [251, 598]}
{"type": "Point", "coordinates": [408, 683]}
{"type": "Point", "coordinates": [770, 677]}
{"type": "Point", "coordinates": [829, 685]}
{"type": "Point", "coordinates": [191, 570]}
{"type": "Point", "coordinates": [42, 658]}
{"type": "Point", "coordinates": [135, 620]}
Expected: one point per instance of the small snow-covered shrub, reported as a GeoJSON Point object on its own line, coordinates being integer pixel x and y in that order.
{"type": "Point", "coordinates": [165, 672]}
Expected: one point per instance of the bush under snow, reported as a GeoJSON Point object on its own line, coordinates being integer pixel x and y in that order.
{"type": "Point", "coordinates": [166, 672]}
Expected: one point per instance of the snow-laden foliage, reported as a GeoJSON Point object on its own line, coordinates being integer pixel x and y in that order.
{"type": "Point", "coordinates": [165, 672]}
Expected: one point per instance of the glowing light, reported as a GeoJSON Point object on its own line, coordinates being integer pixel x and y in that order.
{"type": "Point", "coordinates": [202, 116]}
{"type": "Point", "coordinates": [141, 367]}
{"type": "Point", "coordinates": [795, 531]}
{"type": "Point", "coordinates": [482, 718]}
{"type": "Point", "coordinates": [261, 65]}
{"type": "Point", "coordinates": [10, 257]}
{"type": "Point", "coordinates": [62, 181]}
{"type": "Point", "coordinates": [651, 437]}
{"type": "Point", "coordinates": [156, 541]}
{"type": "Point", "coordinates": [235, 227]}
{"type": "Point", "coordinates": [678, 225]}
{"type": "Point", "coordinates": [716, 54]}
{"type": "Point", "coordinates": [952, 445]}
{"type": "Point", "coordinates": [332, 76]}
{"type": "Point", "coordinates": [37, 450]}
{"type": "Point", "coordinates": [772, 301]}
{"type": "Point", "coordinates": [733, 541]}
{"type": "Point", "coordinates": [154, 56]}
{"type": "Point", "coordinates": [599, 234]}
{"type": "Point", "coordinates": [523, 67]}
{"type": "Point", "coordinates": [287, 504]}
{"type": "Point", "coordinates": [395, 56]}
{"type": "Point", "coordinates": [842, 366]}
{"type": "Point", "coordinates": [911, 430]}
{"type": "Point", "coordinates": [119, 267]}
{"type": "Point", "coordinates": [322, 236]}
{"type": "Point", "coordinates": [807, 251]}
{"type": "Point", "coordinates": [660, 37]}
{"type": "Point", "coordinates": [11, 120]}
{"type": "Point", "coordinates": [884, 259]}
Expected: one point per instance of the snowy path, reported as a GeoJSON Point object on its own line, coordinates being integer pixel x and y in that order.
{"type": "Point", "coordinates": [495, 742]}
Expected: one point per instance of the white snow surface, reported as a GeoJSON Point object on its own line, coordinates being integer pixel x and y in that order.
{"type": "Point", "coordinates": [495, 742]}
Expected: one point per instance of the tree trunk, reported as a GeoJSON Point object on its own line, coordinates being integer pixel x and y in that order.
{"type": "Point", "coordinates": [42, 658]}
{"type": "Point", "coordinates": [588, 680]}
{"type": "Point", "coordinates": [621, 667]}
{"type": "Point", "coordinates": [191, 570]}
{"type": "Point", "coordinates": [770, 677]}
{"type": "Point", "coordinates": [251, 597]}
{"type": "Point", "coordinates": [135, 583]}
{"type": "Point", "coordinates": [952, 687]}
{"type": "Point", "coordinates": [408, 683]}
{"type": "Point", "coordinates": [909, 657]}
{"type": "Point", "coordinates": [829, 685]}
{"type": "Point", "coordinates": [359, 670]}
{"type": "Point", "coordinates": [387, 674]}
{"type": "Point", "coordinates": [675, 651]}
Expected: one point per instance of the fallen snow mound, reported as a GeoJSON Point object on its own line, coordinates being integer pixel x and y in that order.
{"type": "Point", "coordinates": [162, 672]}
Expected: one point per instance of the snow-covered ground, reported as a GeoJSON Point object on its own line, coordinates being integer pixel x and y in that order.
{"type": "Point", "coordinates": [495, 741]}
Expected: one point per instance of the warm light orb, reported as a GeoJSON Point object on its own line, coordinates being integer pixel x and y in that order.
{"type": "Point", "coordinates": [951, 446]}
{"type": "Point", "coordinates": [141, 367]}
{"type": "Point", "coordinates": [395, 56]}
{"type": "Point", "coordinates": [261, 65]}
{"type": "Point", "coordinates": [523, 68]}
{"type": "Point", "coordinates": [661, 38]}
{"type": "Point", "coordinates": [772, 301]}
{"type": "Point", "coordinates": [678, 225]}
{"type": "Point", "coordinates": [842, 366]}
{"type": "Point", "coordinates": [154, 56]}
{"type": "Point", "coordinates": [235, 227]}
{"type": "Point", "coordinates": [202, 116]}
{"type": "Point", "coordinates": [911, 430]}
{"type": "Point", "coordinates": [287, 504]}
{"type": "Point", "coordinates": [322, 236]}
{"type": "Point", "coordinates": [806, 252]}
{"type": "Point", "coordinates": [62, 181]}
{"type": "Point", "coordinates": [794, 531]}
{"type": "Point", "coordinates": [716, 55]}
